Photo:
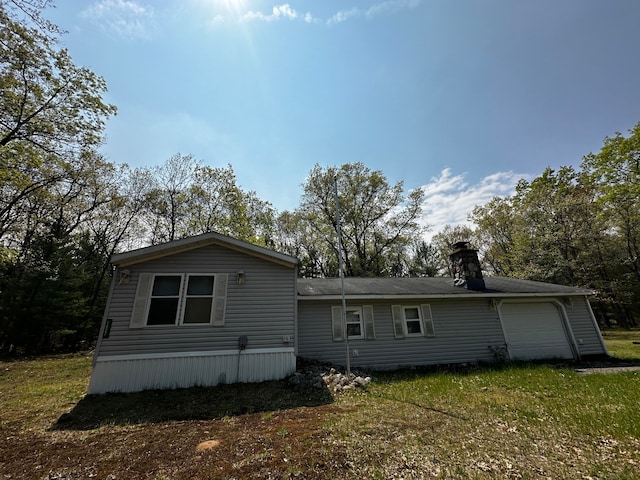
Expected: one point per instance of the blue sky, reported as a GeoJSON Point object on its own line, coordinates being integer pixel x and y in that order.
{"type": "Point", "coordinates": [460, 97]}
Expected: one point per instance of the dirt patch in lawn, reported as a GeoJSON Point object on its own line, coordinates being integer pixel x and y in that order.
{"type": "Point", "coordinates": [282, 444]}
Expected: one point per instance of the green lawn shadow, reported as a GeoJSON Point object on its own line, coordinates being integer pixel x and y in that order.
{"type": "Point", "coordinates": [197, 403]}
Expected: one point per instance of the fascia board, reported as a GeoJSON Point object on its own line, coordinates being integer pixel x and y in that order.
{"type": "Point", "coordinates": [158, 251]}
{"type": "Point", "coordinates": [445, 296]}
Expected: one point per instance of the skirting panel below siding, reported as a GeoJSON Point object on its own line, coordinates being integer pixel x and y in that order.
{"type": "Point", "coordinates": [133, 373]}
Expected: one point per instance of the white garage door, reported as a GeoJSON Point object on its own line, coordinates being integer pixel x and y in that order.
{"type": "Point", "coordinates": [534, 331]}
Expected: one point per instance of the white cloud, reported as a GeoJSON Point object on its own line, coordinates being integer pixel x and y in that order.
{"type": "Point", "coordinates": [123, 18]}
{"type": "Point", "coordinates": [392, 6]}
{"type": "Point", "coordinates": [344, 15]}
{"type": "Point", "coordinates": [449, 199]}
{"type": "Point", "coordinates": [285, 11]}
{"type": "Point", "coordinates": [278, 12]}
{"type": "Point", "coordinates": [387, 6]}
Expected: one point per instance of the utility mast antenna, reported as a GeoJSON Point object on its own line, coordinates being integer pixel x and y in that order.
{"type": "Point", "coordinates": [341, 267]}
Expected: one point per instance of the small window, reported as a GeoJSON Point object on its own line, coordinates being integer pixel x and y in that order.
{"type": "Point", "coordinates": [413, 320]}
{"type": "Point", "coordinates": [359, 323]}
{"type": "Point", "coordinates": [164, 301]}
{"type": "Point", "coordinates": [354, 323]}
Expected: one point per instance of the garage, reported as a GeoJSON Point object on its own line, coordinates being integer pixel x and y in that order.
{"type": "Point", "coordinates": [535, 330]}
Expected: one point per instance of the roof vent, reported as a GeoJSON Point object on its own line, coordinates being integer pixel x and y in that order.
{"type": "Point", "coordinates": [465, 267]}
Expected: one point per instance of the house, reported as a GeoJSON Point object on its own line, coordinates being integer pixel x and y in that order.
{"type": "Point", "coordinates": [405, 322]}
{"type": "Point", "coordinates": [211, 309]}
{"type": "Point", "coordinates": [202, 310]}
{"type": "Point", "coordinates": [402, 322]}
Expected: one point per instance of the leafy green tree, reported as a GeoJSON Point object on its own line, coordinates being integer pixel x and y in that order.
{"type": "Point", "coordinates": [189, 199]}
{"type": "Point", "coordinates": [51, 122]}
{"type": "Point", "coordinates": [116, 225]}
{"type": "Point", "coordinates": [615, 170]}
{"type": "Point", "coordinates": [47, 103]}
{"type": "Point", "coordinates": [554, 209]}
{"type": "Point", "coordinates": [50, 112]}
{"type": "Point", "coordinates": [48, 284]}
{"type": "Point", "coordinates": [424, 260]}
{"type": "Point", "coordinates": [574, 227]}
{"type": "Point", "coordinates": [443, 241]}
{"type": "Point", "coordinates": [168, 200]}
{"type": "Point", "coordinates": [217, 203]}
{"type": "Point", "coordinates": [296, 237]}
{"type": "Point", "coordinates": [614, 173]}
{"type": "Point", "coordinates": [377, 219]}
{"type": "Point", "coordinates": [497, 227]}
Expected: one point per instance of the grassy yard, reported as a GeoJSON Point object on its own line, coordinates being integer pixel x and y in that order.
{"type": "Point", "coordinates": [511, 421]}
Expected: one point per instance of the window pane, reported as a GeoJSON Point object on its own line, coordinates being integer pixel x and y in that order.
{"type": "Point", "coordinates": [162, 311]}
{"type": "Point", "coordinates": [197, 310]}
{"type": "Point", "coordinates": [200, 285]}
{"type": "Point", "coordinates": [166, 286]}
{"type": "Point", "coordinates": [413, 327]}
{"type": "Point", "coordinates": [411, 313]}
{"type": "Point", "coordinates": [353, 316]}
{"type": "Point", "coordinates": [353, 329]}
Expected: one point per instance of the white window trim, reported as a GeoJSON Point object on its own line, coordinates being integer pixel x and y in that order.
{"type": "Point", "coordinates": [407, 320]}
{"type": "Point", "coordinates": [360, 322]}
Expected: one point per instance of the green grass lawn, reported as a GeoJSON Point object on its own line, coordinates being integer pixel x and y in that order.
{"type": "Point", "coordinates": [512, 421]}
{"type": "Point", "coordinates": [623, 344]}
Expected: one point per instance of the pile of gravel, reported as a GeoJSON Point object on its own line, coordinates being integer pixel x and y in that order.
{"type": "Point", "coordinates": [318, 375]}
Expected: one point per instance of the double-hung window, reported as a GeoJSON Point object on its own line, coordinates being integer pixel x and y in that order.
{"type": "Point", "coordinates": [358, 323]}
{"type": "Point", "coordinates": [179, 299]}
{"type": "Point", "coordinates": [354, 323]}
{"type": "Point", "coordinates": [412, 321]}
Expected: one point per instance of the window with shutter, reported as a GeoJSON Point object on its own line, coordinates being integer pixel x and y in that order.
{"type": "Point", "coordinates": [412, 321]}
{"type": "Point", "coordinates": [355, 323]}
{"type": "Point", "coordinates": [176, 299]}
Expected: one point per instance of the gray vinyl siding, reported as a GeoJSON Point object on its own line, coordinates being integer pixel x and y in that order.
{"type": "Point", "coordinates": [464, 331]}
{"type": "Point", "coordinates": [585, 331]}
{"type": "Point", "coordinates": [263, 308]}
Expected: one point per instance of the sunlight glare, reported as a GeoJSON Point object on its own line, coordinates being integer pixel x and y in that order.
{"type": "Point", "coordinates": [231, 5]}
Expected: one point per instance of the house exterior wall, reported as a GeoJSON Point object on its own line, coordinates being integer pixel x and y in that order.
{"type": "Point", "coordinates": [132, 373]}
{"type": "Point", "coordinates": [466, 331]}
{"type": "Point", "coordinates": [263, 309]}
{"type": "Point", "coordinates": [584, 327]}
